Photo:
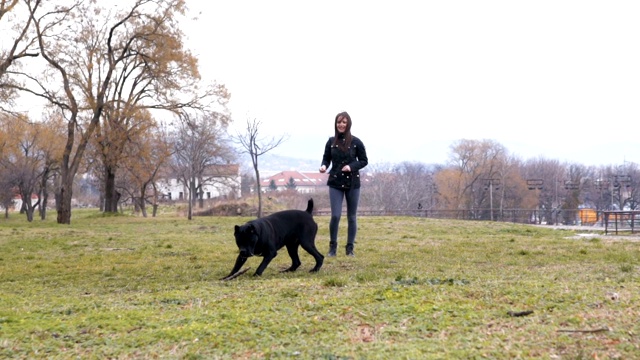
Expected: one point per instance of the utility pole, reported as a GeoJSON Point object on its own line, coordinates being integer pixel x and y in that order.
{"type": "Point", "coordinates": [602, 184]}
{"type": "Point", "coordinates": [618, 181]}
{"type": "Point", "coordinates": [537, 185]}
{"type": "Point", "coordinates": [489, 184]}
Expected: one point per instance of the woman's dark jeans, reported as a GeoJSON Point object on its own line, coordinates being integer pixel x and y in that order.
{"type": "Point", "coordinates": [335, 197]}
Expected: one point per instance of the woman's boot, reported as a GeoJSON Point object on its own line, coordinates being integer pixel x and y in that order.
{"type": "Point", "coordinates": [350, 250]}
{"type": "Point", "coordinates": [333, 246]}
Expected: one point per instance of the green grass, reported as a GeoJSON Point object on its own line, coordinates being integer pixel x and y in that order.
{"type": "Point", "coordinates": [134, 288]}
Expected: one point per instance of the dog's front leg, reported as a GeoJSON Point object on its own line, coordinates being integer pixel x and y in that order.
{"type": "Point", "coordinates": [239, 262]}
{"type": "Point", "coordinates": [265, 261]}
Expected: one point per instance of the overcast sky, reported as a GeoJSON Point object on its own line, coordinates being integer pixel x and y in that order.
{"type": "Point", "coordinates": [554, 79]}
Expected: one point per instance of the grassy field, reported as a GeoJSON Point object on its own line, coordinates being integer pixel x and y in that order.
{"type": "Point", "coordinates": [144, 288]}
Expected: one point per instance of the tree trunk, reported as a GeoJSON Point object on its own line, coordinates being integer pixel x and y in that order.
{"type": "Point", "coordinates": [43, 208]}
{"type": "Point", "coordinates": [45, 194]}
{"type": "Point", "coordinates": [110, 194]}
{"type": "Point", "coordinates": [193, 194]}
{"type": "Point", "coordinates": [155, 201]}
{"type": "Point", "coordinates": [29, 213]}
{"type": "Point", "coordinates": [141, 202]}
{"type": "Point", "coordinates": [255, 167]}
{"type": "Point", "coordinates": [63, 198]}
{"type": "Point", "coordinates": [189, 207]}
{"type": "Point", "coordinates": [143, 208]}
{"type": "Point", "coordinates": [191, 199]}
{"type": "Point", "coordinates": [27, 206]}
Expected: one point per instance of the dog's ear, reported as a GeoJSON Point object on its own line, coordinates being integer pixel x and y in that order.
{"type": "Point", "coordinates": [236, 229]}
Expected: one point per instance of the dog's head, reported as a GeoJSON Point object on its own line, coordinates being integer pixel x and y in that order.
{"type": "Point", "coordinates": [246, 239]}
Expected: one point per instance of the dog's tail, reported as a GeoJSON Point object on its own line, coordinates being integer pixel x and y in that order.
{"type": "Point", "coordinates": [310, 206]}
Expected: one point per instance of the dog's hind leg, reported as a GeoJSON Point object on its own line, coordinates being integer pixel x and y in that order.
{"type": "Point", "coordinates": [309, 245]}
{"type": "Point", "coordinates": [292, 249]}
{"type": "Point", "coordinates": [316, 255]}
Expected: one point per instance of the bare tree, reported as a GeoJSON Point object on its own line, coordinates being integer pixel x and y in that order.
{"type": "Point", "coordinates": [93, 53]}
{"type": "Point", "coordinates": [546, 181]}
{"type": "Point", "coordinates": [29, 152]}
{"type": "Point", "coordinates": [403, 186]}
{"type": "Point", "coordinates": [200, 144]}
{"type": "Point", "coordinates": [22, 46]}
{"type": "Point", "coordinates": [255, 146]}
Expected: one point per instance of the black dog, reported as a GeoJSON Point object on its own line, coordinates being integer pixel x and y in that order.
{"type": "Point", "coordinates": [265, 236]}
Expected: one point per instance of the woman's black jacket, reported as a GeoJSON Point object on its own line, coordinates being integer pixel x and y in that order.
{"type": "Point", "coordinates": [355, 157]}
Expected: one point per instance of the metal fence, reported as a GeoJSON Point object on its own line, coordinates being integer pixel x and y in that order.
{"type": "Point", "coordinates": [523, 216]}
{"type": "Point", "coordinates": [615, 221]}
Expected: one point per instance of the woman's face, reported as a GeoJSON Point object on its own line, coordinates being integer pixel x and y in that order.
{"type": "Point", "coordinates": [341, 124]}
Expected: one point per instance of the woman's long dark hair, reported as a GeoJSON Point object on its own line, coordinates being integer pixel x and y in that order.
{"type": "Point", "coordinates": [342, 145]}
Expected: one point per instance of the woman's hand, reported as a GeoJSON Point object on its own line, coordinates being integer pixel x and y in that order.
{"type": "Point", "coordinates": [346, 168]}
{"type": "Point", "coordinates": [323, 169]}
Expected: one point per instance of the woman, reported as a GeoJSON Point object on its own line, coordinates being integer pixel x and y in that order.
{"type": "Point", "coordinates": [347, 155]}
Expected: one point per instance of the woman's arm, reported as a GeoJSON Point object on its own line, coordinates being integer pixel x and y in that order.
{"type": "Point", "coordinates": [326, 158]}
{"type": "Point", "coordinates": [361, 159]}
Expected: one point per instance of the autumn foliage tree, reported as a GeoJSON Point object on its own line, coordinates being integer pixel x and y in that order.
{"type": "Point", "coordinates": [158, 74]}
{"type": "Point", "coordinates": [108, 63]}
{"type": "Point", "coordinates": [145, 162]}
{"type": "Point", "coordinates": [474, 178]}
{"type": "Point", "coordinates": [30, 154]}
{"type": "Point", "coordinates": [113, 139]}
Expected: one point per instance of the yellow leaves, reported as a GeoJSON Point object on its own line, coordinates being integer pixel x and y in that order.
{"type": "Point", "coordinates": [449, 185]}
{"type": "Point", "coordinates": [38, 144]}
{"type": "Point", "coordinates": [6, 6]}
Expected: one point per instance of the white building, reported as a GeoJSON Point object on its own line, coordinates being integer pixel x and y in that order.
{"type": "Point", "coordinates": [17, 202]}
{"type": "Point", "coordinates": [305, 182]}
{"type": "Point", "coordinates": [221, 181]}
